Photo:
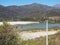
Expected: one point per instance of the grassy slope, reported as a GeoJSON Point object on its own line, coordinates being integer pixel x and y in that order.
{"type": "Point", "coordinates": [53, 40]}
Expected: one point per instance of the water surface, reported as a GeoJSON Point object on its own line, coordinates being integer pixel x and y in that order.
{"type": "Point", "coordinates": [37, 26]}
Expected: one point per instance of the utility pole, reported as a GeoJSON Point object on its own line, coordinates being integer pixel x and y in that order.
{"type": "Point", "coordinates": [47, 32]}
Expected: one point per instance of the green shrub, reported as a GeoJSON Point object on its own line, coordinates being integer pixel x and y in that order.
{"type": "Point", "coordinates": [8, 35]}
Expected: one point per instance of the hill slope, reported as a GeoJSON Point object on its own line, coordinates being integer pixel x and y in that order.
{"type": "Point", "coordinates": [30, 12]}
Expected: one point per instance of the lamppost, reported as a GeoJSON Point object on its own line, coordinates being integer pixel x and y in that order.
{"type": "Point", "coordinates": [46, 32]}
{"type": "Point", "coordinates": [46, 19]}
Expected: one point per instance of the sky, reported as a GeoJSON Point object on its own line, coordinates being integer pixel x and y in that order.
{"type": "Point", "coordinates": [25, 2]}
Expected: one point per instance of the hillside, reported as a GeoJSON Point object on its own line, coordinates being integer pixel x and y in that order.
{"type": "Point", "coordinates": [52, 40]}
{"type": "Point", "coordinates": [31, 12]}
{"type": "Point", "coordinates": [57, 6]}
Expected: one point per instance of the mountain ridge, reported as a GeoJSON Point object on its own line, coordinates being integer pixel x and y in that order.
{"type": "Point", "coordinates": [27, 12]}
{"type": "Point", "coordinates": [57, 6]}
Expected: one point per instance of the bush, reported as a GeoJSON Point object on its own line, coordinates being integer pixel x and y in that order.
{"type": "Point", "coordinates": [8, 35]}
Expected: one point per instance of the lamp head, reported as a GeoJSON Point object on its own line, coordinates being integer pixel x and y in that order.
{"type": "Point", "coordinates": [46, 18]}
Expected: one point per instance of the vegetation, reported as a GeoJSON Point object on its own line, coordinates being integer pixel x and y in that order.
{"type": "Point", "coordinates": [8, 35]}
{"type": "Point", "coordinates": [36, 41]}
{"type": "Point", "coordinates": [31, 12]}
{"type": "Point", "coordinates": [52, 40]}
